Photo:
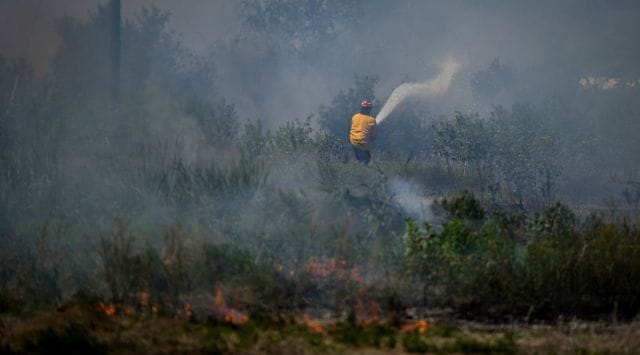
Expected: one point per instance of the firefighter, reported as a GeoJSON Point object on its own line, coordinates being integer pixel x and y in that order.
{"type": "Point", "coordinates": [363, 131]}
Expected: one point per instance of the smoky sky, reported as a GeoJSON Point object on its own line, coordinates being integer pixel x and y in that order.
{"type": "Point", "coordinates": [549, 44]}
{"type": "Point", "coordinates": [199, 23]}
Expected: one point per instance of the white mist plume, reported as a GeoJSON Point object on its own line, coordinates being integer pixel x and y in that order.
{"type": "Point", "coordinates": [433, 87]}
{"type": "Point", "coordinates": [414, 203]}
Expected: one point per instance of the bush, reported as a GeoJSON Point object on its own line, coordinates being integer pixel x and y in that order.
{"type": "Point", "coordinates": [351, 333]}
{"type": "Point", "coordinates": [217, 121]}
{"type": "Point", "coordinates": [594, 273]}
{"type": "Point", "coordinates": [463, 206]}
{"type": "Point", "coordinates": [33, 262]}
{"type": "Point", "coordinates": [481, 270]}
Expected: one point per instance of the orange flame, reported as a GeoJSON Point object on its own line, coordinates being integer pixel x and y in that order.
{"type": "Point", "coordinates": [313, 324]}
{"type": "Point", "coordinates": [107, 308]}
{"type": "Point", "coordinates": [421, 325]}
{"type": "Point", "coordinates": [230, 315]}
{"type": "Point", "coordinates": [143, 299]}
{"type": "Point", "coordinates": [235, 317]}
{"type": "Point", "coordinates": [326, 268]}
{"type": "Point", "coordinates": [220, 303]}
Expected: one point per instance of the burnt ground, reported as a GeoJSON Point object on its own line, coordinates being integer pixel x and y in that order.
{"type": "Point", "coordinates": [82, 328]}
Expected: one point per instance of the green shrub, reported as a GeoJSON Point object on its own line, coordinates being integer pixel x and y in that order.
{"type": "Point", "coordinates": [555, 221]}
{"type": "Point", "coordinates": [292, 137]}
{"type": "Point", "coordinates": [412, 342]}
{"type": "Point", "coordinates": [594, 273]}
{"type": "Point", "coordinates": [463, 206]}
{"type": "Point", "coordinates": [543, 267]}
{"type": "Point", "coordinates": [188, 185]}
{"type": "Point", "coordinates": [503, 345]}
{"type": "Point", "coordinates": [351, 333]}
{"type": "Point", "coordinates": [473, 270]}
{"type": "Point", "coordinates": [217, 121]}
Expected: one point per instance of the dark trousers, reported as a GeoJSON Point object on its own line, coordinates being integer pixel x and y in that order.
{"type": "Point", "coordinates": [363, 156]}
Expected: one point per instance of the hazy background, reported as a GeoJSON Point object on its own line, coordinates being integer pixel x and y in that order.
{"type": "Point", "coordinates": [548, 45]}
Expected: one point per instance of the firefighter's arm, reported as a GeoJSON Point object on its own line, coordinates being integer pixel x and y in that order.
{"type": "Point", "coordinates": [373, 130]}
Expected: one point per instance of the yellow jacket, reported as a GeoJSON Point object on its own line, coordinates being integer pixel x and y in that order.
{"type": "Point", "coordinates": [363, 130]}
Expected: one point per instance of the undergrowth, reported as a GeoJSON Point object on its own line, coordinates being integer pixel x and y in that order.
{"type": "Point", "coordinates": [543, 266]}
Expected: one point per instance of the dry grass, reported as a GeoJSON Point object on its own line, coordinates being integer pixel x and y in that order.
{"type": "Point", "coordinates": [87, 326]}
{"type": "Point", "coordinates": [577, 337]}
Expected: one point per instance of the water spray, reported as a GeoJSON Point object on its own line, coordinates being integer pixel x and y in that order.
{"type": "Point", "coordinates": [433, 87]}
